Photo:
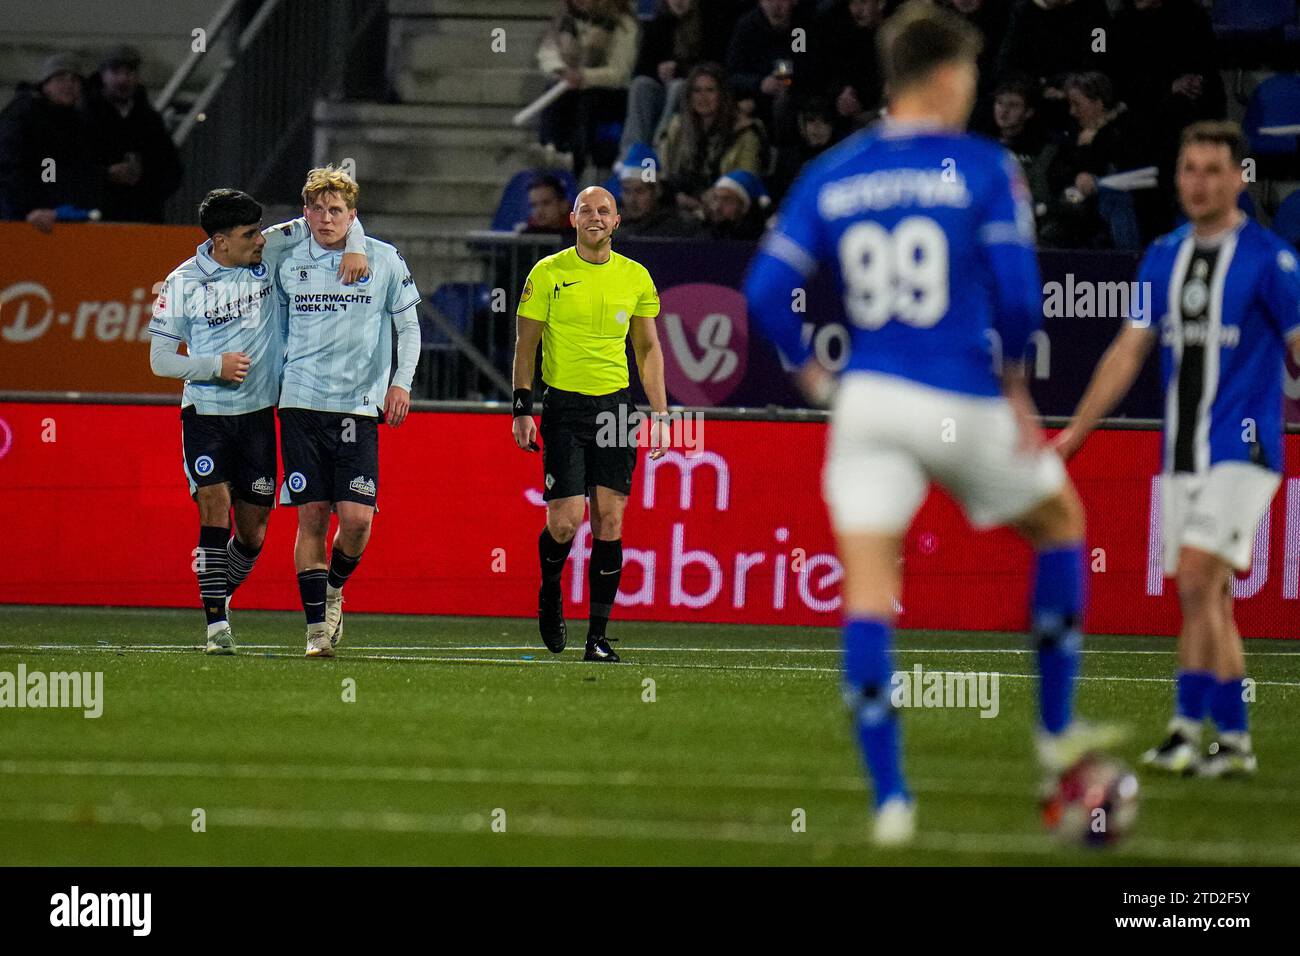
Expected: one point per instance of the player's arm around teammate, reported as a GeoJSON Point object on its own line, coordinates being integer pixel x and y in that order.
{"type": "Point", "coordinates": [219, 304]}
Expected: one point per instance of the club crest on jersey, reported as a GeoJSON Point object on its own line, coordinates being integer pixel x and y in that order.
{"type": "Point", "coordinates": [297, 482]}
{"type": "Point", "coordinates": [1195, 296]}
{"type": "Point", "coordinates": [364, 280]}
{"type": "Point", "coordinates": [362, 486]}
{"type": "Point", "coordinates": [259, 270]}
{"type": "Point", "coordinates": [203, 465]}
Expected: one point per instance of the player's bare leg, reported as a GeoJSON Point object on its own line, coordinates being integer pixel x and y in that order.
{"type": "Point", "coordinates": [350, 540]}
{"type": "Point", "coordinates": [607, 506]}
{"type": "Point", "coordinates": [1200, 578]}
{"type": "Point", "coordinates": [871, 585]}
{"type": "Point", "coordinates": [1055, 529]}
{"type": "Point", "coordinates": [563, 517]}
{"type": "Point", "coordinates": [210, 564]}
{"type": "Point", "coordinates": [1205, 593]}
{"type": "Point", "coordinates": [311, 561]}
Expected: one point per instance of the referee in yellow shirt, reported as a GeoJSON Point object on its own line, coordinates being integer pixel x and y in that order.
{"type": "Point", "coordinates": [581, 304]}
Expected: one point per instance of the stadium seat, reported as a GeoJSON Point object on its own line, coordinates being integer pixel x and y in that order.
{"type": "Point", "coordinates": [1275, 102]}
{"type": "Point", "coordinates": [458, 302]}
{"type": "Point", "coordinates": [1286, 222]}
{"type": "Point", "coordinates": [1255, 16]}
{"type": "Point", "coordinates": [513, 207]}
{"type": "Point", "coordinates": [1253, 33]}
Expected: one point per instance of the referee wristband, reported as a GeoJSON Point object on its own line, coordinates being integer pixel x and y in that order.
{"type": "Point", "coordinates": [523, 402]}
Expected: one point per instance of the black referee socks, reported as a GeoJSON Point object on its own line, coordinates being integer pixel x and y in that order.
{"type": "Point", "coordinates": [602, 577]}
{"type": "Point", "coordinates": [552, 555]}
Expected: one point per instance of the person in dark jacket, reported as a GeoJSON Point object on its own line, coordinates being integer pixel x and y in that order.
{"type": "Point", "coordinates": [1051, 39]}
{"type": "Point", "coordinates": [671, 44]}
{"type": "Point", "coordinates": [1106, 139]}
{"type": "Point", "coordinates": [846, 65]}
{"type": "Point", "coordinates": [766, 74]}
{"type": "Point", "coordinates": [45, 148]}
{"type": "Point", "coordinates": [142, 166]}
{"type": "Point", "coordinates": [1167, 72]}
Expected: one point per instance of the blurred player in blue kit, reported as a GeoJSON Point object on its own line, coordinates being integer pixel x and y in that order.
{"type": "Point", "coordinates": [929, 235]}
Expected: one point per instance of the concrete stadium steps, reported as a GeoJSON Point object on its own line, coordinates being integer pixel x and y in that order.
{"type": "Point", "coordinates": [456, 43]}
{"type": "Point", "coordinates": [399, 140]}
{"type": "Point", "coordinates": [433, 164]}
{"type": "Point", "coordinates": [501, 86]}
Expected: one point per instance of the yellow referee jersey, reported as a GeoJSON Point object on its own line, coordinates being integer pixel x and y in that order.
{"type": "Point", "coordinates": [586, 310]}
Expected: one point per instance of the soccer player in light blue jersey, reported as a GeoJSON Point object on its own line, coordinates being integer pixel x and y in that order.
{"type": "Point", "coordinates": [1224, 296]}
{"type": "Point", "coordinates": [929, 235]}
{"type": "Point", "coordinates": [339, 385]}
{"type": "Point", "coordinates": [220, 304]}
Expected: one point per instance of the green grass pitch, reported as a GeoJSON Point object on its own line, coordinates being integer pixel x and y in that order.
{"type": "Point", "coordinates": [463, 725]}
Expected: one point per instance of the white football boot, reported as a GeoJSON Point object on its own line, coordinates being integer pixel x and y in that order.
{"type": "Point", "coordinates": [895, 822]}
{"type": "Point", "coordinates": [1180, 752]}
{"type": "Point", "coordinates": [1230, 756]}
{"type": "Point", "coordinates": [221, 641]}
{"type": "Point", "coordinates": [334, 614]}
{"type": "Point", "coordinates": [1057, 752]}
{"type": "Point", "coordinates": [318, 641]}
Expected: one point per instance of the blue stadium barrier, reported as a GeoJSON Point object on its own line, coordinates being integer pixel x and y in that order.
{"type": "Point", "coordinates": [1286, 222]}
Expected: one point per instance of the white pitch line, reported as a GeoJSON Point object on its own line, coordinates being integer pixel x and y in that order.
{"type": "Point", "coordinates": [557, 778]}
{"type": "Point", "coordinates": [387, 821]}
{"type": "Point", "coordinates": [898, 648]}
{"type": "Point", "coordinates": [555, 661]}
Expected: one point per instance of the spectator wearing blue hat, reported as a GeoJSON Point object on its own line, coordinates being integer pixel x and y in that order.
{"type": "Point", "coordinates": [735, 208]}
{"type": "Point", "coordinates": [645, 214]}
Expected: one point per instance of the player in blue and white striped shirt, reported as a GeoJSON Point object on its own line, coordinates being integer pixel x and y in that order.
{"type": "Point", "coordinates": [1225, 307]}
{"type": "Point", "coordinates": [336, 388]}
{"type": "Point", "coordinates": [220, 303]}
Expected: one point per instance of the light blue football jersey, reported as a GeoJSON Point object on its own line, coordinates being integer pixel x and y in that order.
{"type": "Point", "coordinates": [340, 338]}
{"type": "Point", "coordinates": [215, 309]}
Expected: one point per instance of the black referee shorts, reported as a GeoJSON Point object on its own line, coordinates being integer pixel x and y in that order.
{"type": "Point", "coordinates": [585, 442]}
{"type": "Point", "coordinates": [329, 456]}
{"type": "Point", "coordinates": [235, 450]}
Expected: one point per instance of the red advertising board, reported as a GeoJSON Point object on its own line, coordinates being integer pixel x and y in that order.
{"type": "Point", "coordinates": [97, 512]}
{"type": "Point", "coordinates": [75, 304]}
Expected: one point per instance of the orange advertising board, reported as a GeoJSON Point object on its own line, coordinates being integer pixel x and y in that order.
{"type": "Point", "coordinates": [75, 304]}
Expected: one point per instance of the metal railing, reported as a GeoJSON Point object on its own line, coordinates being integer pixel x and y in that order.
{"type": "Point", "coordinates": [248, 127]}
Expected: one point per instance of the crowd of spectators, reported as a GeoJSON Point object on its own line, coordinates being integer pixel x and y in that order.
{"type": "Point", "coordinates": [74, 147]}
{"type": "Point", "coordinates": [1077, 90]}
